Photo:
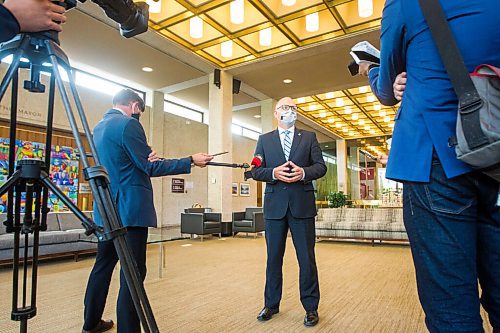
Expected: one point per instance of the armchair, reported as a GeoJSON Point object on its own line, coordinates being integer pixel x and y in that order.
{"type": "Point", "coordinates": [201, 223]}
{"type": "Point", "coordinates": [251, 220]}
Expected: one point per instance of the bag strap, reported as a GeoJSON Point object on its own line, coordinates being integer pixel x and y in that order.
{"type": "Point", "coordinates": [469, 99]}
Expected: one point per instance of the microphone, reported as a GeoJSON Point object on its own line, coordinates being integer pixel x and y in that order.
{"type": "Point", "coordinates": [256, 163]}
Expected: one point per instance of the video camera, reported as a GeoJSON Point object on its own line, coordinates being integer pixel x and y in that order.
{"type": "Point", "coordinates": [132, 16]}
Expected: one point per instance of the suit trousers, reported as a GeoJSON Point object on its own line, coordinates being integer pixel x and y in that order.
{"type": "Point", "coordinates": [100, 278]}
{"type": "Point", "coordinates": [454, 231]}
{"type": "Point", "coordinates": [304, 240]}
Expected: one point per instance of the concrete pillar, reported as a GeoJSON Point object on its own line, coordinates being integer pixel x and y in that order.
{"type": "Point", "coordinates": [153, 123]}
{"type": "Point", "coordinates": [354, 180]}
{"type": "Point", "coordinates": [267, 118]}
{"type": "Point", "coordinates": [220, 106]}
{"type": "Point", "coordinates": [342, 166]}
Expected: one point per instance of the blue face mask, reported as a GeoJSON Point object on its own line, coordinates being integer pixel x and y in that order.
{"type": "Point", "coordinates": [288, 118]}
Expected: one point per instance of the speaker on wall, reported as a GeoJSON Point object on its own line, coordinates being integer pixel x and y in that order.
{"type": "Point", "coordinates": [236, 86]}
{"type": "Point", "coordinates": [217, 77]}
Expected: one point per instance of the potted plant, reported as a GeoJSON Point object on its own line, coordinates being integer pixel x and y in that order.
{"type": "Point", "coordinates": [336, 199]}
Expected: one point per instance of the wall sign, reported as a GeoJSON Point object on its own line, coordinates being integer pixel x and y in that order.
{"type": "Point", "coordinates": [178, 185]}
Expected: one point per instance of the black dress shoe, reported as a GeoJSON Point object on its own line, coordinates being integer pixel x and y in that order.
{"type": "Point", "coordinates": [103, 326]}
{"type": "Point", "coordinates": [267, 313]}
{"type": "Point", "coordinates": [311, 318]}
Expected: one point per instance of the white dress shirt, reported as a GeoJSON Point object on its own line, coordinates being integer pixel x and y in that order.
{"type": "Point", "coordinates": [291, 131]}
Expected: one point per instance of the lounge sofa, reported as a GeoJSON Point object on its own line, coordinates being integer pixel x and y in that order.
{"type": "Point", "coordinates": [361, 223]}
{"type": "Point", "coordinates": [65, 236]}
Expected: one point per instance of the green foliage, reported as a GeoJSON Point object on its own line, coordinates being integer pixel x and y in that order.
{"type": "Point", "coordinates": [336, 199]}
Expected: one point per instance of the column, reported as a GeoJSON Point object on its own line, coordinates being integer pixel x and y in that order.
{"type": "Point", "coordinates": [267, 119]}
{"type": "Point", "coordinates": [342, 166]}
{"type": "Point", "coordinates": [220, 106]}
{"type": "Point", "coordinates": [354, 179]}
{"type": "Point", "coordinates": [153, 123]}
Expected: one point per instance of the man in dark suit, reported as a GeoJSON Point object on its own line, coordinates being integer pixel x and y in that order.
{"type": "Point", "coordinates": [29, 16]}
{"type": "Point", "coordinates": [291, 160]}
{"type": "Point", "coordinates": [450, 211]}
{"type": "Point", "coordinates": [121, 144]}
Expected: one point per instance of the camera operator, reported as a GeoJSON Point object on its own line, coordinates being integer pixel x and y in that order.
{"type": "Point", "coordinates": [449, 210]}
{"type": "Point", "coordinates": [29, 16]}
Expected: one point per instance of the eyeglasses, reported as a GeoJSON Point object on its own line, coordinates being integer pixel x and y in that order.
{"type": "Point", "coordinates": [288, 108]}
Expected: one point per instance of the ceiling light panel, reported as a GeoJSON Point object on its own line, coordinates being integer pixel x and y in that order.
{"type": "Point", "coordinates": [244, 22]}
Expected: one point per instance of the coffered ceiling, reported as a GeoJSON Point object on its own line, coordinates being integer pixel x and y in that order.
{"type": "Point", "coordinates": [230, 32]}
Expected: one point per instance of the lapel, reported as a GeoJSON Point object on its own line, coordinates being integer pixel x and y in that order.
{"type": "Point", "coordinates": [297, 136]}
{"type": "Point", "coordinates": [277, 142]}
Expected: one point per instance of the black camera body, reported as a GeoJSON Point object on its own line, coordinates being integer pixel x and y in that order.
{"type": "Point", "coordinates": [132, 16]}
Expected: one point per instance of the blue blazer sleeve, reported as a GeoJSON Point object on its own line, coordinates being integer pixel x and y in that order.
{"type": "Point", "coordinates": [317, 169]}
{"type": "Point", "coordinates": [263, 173]}
{"type": "Point", "coordinates": [392, 53]}
{"type": "Point", "coordinates": [9, 27]}
{"type": "Point", "coordinates": [136, 147]}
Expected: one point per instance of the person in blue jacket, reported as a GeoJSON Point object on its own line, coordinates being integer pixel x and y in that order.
{"type": "Point", "coordinates": [450, 211]}
{"type": "Point", "coordinates": [122, 148]}
{"type": "Point", "coordinates": [29, 16]}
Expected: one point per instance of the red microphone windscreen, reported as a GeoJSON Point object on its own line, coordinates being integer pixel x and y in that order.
{"type": "Point", "coordinates": [257, 161]}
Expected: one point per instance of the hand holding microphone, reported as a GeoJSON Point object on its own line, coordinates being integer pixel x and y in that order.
{"type": "Point", "coordinates": [201, 159]}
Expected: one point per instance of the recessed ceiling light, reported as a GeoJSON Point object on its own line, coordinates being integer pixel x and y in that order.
{"type": "Point", "coordinates": [312, 107]}
{"type": "Point", "coordinates": [226, 49]}
{"type": "Point", "coordinates": [329, 95]}
{"type": "Point", "coordinates": [265, 37]}
{"type": "Point", "coordinates": [154, 6]}
{"type": "Point", "coordinates": [257, 116]}
{"type": "Point", "coordinates": [370, 98]}
{"type": "Point", "coordinates": [312, 22]}
{"type": "Point", "coordinates": [365, 8]}
{"type": "Point", "coordinates": [237, 11]}
{"type": "Point", "coordinates": [287, 81]}
{"type": "Point", "coordinates": [301, 100]}
{"type": "Point", "coordinates": [147, 69]}
{"type": "Point", "coordinates": [348, 110]}
{"type": "Point", "coordinates": [326, 146]}
{"type": "Point", "coordinates": [339, 102]}
{"type": "Point", "coordinates": [363, 89]}
{"type": "Point", "coordinates": [288, 3]}
{"type": "Point", "coordinates": [195, 27]}
{"type": "Point", "coordinates": [322, 114]}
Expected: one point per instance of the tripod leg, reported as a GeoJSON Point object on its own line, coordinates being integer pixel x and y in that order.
{"type": "Point", "coordinates": [13, 66]}
{"type": "Point", "coordinates": [10, 182]}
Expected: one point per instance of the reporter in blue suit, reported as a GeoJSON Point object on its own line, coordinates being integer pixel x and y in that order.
{"type": "Point", "coordinates": [449, 211]}
{"type": "Point", "coordinates": [291, 160]}
{"type": "Point", "coordinates": [121, 144]}
{"type": "Point", "coordinates": [29, 16]}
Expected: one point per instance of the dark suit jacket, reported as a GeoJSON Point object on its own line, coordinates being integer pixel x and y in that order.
{"type": "Point", "coordinates": [299, 196]}
{"type": "Point", "coordinates": [122, 148]}
{"type": "Point", "coordinates": [9, 27]}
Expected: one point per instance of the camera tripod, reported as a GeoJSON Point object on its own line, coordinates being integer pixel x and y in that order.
{"type": "Point", "coordinates": [31, 177]}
